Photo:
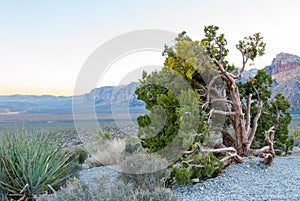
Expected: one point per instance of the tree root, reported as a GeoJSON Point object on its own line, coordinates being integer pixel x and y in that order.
{"type": "Point", "coordinates": [230, 158]}
{"type": "Point", "coordinates": [267, 152]}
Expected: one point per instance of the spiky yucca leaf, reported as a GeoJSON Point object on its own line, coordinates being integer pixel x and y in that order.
{"type": "Point", "coordinates": [32, 163]}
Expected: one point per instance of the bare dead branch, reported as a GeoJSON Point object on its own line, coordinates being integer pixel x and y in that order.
{"type": "Point", "coordinates": [232, 155]}
{"type": "Point", "coordinates": [222, 112]}
{"type": "Point", "coordinates": [255, 123]}
{"type": "Point", "coordinates": [256, 118]}
{"type": "Point", "coordinates": [223, 71]}
{"type": "Point", "coordinates": [221, 150]}
{"type": "Point", "coordinates": [258, 152]}
{"type": "Point", "coordinates": [231, 159]}
{"type": "Point", "coordinates": [269, 137]}
{"type": "Point", "coordinates": [248, 117]}
{"type": "Point", "coordinates": [213, 111]}
{"type": "Point", "coordinates": [267, 152]}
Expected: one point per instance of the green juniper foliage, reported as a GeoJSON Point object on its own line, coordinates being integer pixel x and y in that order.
{"type": "Point", "coordinates": [180, 97]}
{"type": "Point", "coordinates": [197, 167]}
{"type": "Point", "coordinates": [174, 108]}
{"type": "Point", "coordinates": [175, 115]}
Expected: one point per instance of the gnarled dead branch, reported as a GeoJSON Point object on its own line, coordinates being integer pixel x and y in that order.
{"type": "Point", "coordinates": [267, 152]}
{"type": "Point", "coordinates": [230, 158]}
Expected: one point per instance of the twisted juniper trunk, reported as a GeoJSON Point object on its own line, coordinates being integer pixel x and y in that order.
{"type": "Point", "coordinates": [238, 122]}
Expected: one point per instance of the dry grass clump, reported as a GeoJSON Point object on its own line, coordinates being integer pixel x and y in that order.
{"type": "Point", "coordinates": [110, 152]}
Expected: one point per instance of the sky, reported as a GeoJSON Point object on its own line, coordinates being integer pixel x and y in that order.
{"type": "Point", "coordinates": [44, 44]}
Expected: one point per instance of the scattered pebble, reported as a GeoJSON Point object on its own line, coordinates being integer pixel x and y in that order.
{"type": "Point", "coordinates": [249, 181]}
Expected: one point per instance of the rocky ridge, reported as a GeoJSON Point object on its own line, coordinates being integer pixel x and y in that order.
{"type": "Point", "coordinates": [285, 72]}
{"type": "Point", "coordinates": [282, 63]}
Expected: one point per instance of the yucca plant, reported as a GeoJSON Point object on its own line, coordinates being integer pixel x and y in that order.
{"type": "Point", "coordinates": [33, 163]}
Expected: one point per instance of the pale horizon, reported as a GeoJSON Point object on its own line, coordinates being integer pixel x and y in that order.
{"type": "Point", "coordinates": [44, 45]}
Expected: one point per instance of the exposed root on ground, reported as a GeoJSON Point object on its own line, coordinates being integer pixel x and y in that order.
{"type": "Point", "coordinates": [231, 155]}
{"type": "Point", "coordinates": [267, 152]}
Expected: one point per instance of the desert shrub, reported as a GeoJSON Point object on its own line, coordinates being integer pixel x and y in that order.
{"type": "Point", "coordinates": [157, 194]}
{"type": "Point", "coordinates": [120, 190]}
{"type": "Point", "coordinates": [115, 190]}
{"type": "Point", "coordinates": [75, 190]}
{"type": "Point", "coordinates": [33, 164]}
{"type": "Point", "coordinates": [109, 152]}
{"type": "Point", "coordinates": [105, 189]}
{"type": "Point", "coordinates": [144, 171]}
{"type": "Point", "coordinates": [80, 154]}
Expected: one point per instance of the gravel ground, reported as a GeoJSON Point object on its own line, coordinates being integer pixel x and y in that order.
{"type": "Point", "coordinates": [88, 175]}
{"type": "Point", "coordinates": [249, 181]}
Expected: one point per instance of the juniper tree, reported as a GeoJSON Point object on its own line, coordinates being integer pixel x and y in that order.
{"type": "Point", "coordinates": [212, 79]}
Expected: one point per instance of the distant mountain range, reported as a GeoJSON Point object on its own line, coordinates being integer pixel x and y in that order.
{"type": "Point", "coordinates": [104, 100]}
{"type": "Point", "coordinates": [284, 69]}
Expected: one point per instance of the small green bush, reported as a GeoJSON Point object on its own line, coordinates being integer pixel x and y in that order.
{"type": "Point", "coordinates": [33, 164]}
{"type": "Point", "coordinates": [80, 154]}
{"type": "Point", "coordinates": [181, 175]}
{"type": "Point", "coordinates": [199, 167]}
{"type": "Point", "coordinates": [103, 135]}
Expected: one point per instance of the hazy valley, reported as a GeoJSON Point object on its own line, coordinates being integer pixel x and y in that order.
{"type": "Point", "coordinates": [120, 101]}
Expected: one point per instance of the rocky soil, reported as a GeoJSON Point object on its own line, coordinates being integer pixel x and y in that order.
{"type": "Point", "coordinates": [241, 182]}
